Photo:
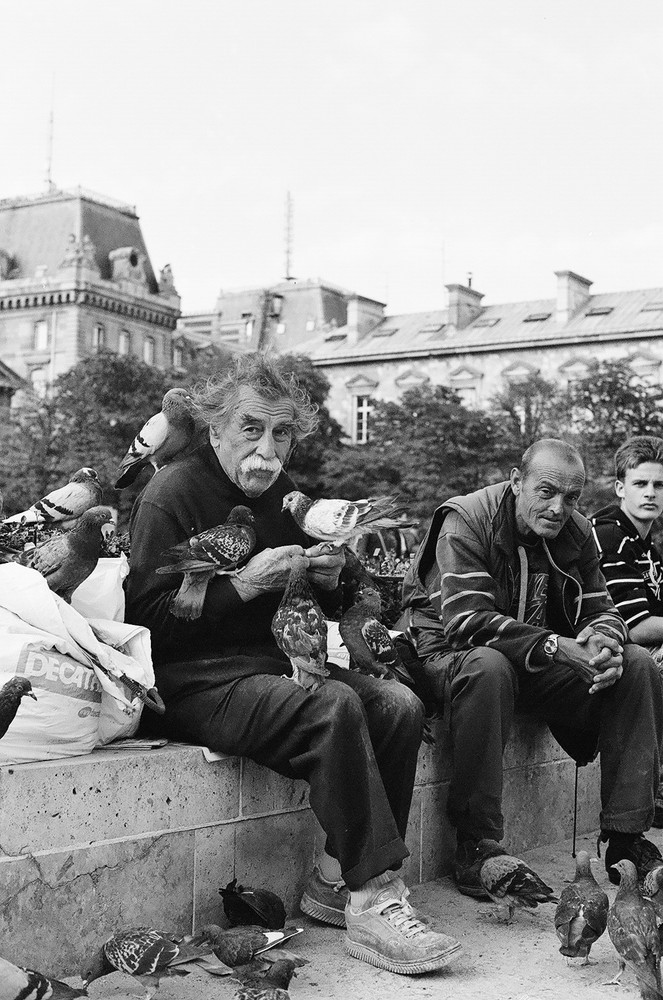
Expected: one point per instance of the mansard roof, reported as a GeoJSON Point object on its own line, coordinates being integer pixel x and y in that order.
{"type": "Point", "coordinates": [35, 231]}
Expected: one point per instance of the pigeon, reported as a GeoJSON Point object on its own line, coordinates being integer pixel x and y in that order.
{"type": "Point", "coordinates": [244, 905]}
{"type": "Point", "coordinates": [652, 888]}
{"type": "Point", "coordinates": [338, 521]}
{"type": "Point", "coordinates": [218, 550]}
{"type": "Point", "coordinates": [64, 505]}
{"type": "Point", "coordinates": [581, 916]}
{"type": "Point", "coordinates": [17, 983]}
{"type": "Point", "coordinates": [271, 985]}
{"type": "Point", "coordinates": [10, 698]}
{"type": "Point", "coordinates": [161, 439]}
{"type": "Point", "coordinates": [509, 882]}
{"type": "Point", "coordinates": [633, 931]}
{"type": "Point", "coordinates": [144, 954]}
{"type": "Point", "coordinates": [300, 629]}
{"type": "Point", "coordinates": [66, 560]}
{"type": "Point", "coordinates": [238, 945]}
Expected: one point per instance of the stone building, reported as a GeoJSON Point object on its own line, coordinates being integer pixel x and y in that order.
{"type": "Point", "coordinates": [76, 278]}
{"type": "Point", "coordinates": [477, 348]}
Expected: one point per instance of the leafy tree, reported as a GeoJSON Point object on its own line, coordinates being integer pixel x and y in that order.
{"type": "Point", "coordinates": [524, 412]}
{"type": "Point", "coordinates": [31, 461]}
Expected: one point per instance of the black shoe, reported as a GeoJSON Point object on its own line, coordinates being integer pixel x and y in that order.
{"type": "Point", "coordinates": [644, 855]}
{"type": "Point", "coordinates": [466, 870]}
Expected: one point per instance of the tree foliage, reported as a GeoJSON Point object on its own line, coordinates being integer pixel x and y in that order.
{"type": "Point", "coordinates": [524, 412]}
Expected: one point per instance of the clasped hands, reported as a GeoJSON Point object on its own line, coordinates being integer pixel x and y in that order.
{"type": "Point", "coordinates": [270, 569]}
{"type": "Point", "coordinates": [596, 658]}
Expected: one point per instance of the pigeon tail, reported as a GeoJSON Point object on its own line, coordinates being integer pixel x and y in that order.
{"type": "Point", "coordinates": [308, 674]}
{"type": "Point", "coordinates": [190, 598]}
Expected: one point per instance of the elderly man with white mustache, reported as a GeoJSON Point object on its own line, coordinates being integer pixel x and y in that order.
{"type": "Point", "coordinates": [227, 685]}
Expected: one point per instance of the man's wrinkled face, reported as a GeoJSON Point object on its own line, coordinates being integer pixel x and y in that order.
{"type": "Point", "coordinates": [641, 493]}
{"type": "Point", "coordinates": [253, 442]}
{"type": "Point", "coordinates": [548, 495]}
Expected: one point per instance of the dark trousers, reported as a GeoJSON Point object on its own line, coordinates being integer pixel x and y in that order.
{"type": "Point", "coordinates": [624, 721]}
{"type": "Point", "coordinates": [355, 740]}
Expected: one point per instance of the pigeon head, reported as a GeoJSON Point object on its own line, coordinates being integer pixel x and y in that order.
{"type": "Point", "coordinates": [17, 687]}
{"type": "Point", "coordinates": [583, 866]}
{"type": "Point", "coordinates": [281, 973]}
{"type": "Point", "coordinates": [487, 848]}
{"type": "Point", "coordinates": [84, 475]}
{"type": "Point", "coordinates": [295, 502]}
{"type": "Point", "coordinates": [96, 516]}
{"type": "Point", "coordinates": [370, 597]}
{"type": "Point", "coordinates": [628, 873]}
{"type": "Point", "coordinates": [240, 515]}
{"type": "Point", "coordinates": [176, 399]}
{"type": "Point", "coordinates": [96, 967]}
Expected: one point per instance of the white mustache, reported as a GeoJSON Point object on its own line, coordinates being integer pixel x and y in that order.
{"type": "Point", "coordinates": [254, 463]}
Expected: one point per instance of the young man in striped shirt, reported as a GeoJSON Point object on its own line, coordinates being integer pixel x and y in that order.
{"type": "Point", "coordinates": [630, 562]}
{"type": "Point", "coordinates": [507, 606]}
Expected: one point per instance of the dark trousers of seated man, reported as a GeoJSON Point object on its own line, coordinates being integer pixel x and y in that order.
{"type": "Point", "coordinates": [484, 688]}
{"type": "Point", "coordinates": [355, 740]}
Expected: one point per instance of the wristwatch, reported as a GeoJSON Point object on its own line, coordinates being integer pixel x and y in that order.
{"type": "Point", "coordinates": [550, 646]}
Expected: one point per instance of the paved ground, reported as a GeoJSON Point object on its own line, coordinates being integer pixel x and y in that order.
{"type": "Point", "coordinates": [516, 962]}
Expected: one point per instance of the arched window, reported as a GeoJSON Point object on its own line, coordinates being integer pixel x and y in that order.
{"type": "Point", "coordinates": [124, 344]}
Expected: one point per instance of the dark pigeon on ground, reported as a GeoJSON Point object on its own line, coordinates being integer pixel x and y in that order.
{"type": "Point", "coordinates": [581, 916]}
{"type": "Point", "coordinates": [239, 945]}
{"type": "Point", "coordinates": [271, 985]}
{"type": "Point", "coordinates": [246, 905]}
{"type": "Point", "coordinates": [509, 881]}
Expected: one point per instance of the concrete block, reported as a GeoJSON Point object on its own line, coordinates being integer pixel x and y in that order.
{"type": "Point", "coordinates": [264, 791]}
{"type": "Point", "coordinates": [531, 742]}
{"type": "Point", "coordinates": [61, 803]}
{"type": "Point", "coordinates": [214, 867]}
{"type": "Point", "coordinates": [438, 838]}
{"type": "Point", "coordinates": [57, 906]}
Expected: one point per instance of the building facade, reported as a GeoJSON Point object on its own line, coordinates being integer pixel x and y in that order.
{"type": "Point", "coordinates": [75, 279]}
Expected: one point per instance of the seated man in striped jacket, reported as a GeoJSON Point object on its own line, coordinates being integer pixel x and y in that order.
{"type": "Point", "coordinates": [630, 562]}
{"type": "Point", "coordinates": [507, 605]}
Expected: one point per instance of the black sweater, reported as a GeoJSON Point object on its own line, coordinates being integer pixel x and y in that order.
{"type": "Point", "coordinates": [179, 501]}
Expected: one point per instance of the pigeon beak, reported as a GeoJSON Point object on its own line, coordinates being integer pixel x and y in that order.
{"type": "Point", "coordinates": [32, 695]}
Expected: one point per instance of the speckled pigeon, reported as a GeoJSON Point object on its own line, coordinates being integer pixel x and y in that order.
{"type": "Point", "coordinates": [10, 698]}
{"type": "Point", "coordinates": [633, 931]}
{"type": "Point", "coordinates": [214, 551]}
{"type": "Point", "coordinates": [581, 916]}
{"type": "Point", "coordinates": [300, 630]}
{"type": "Point", "coordinates": [509, 882]}
{"type": "Point", "coordinates": [338, 521]}
{"type": "Point", "coordinates": [17, 983]}
{"type": "Point", "coordinates": [161, 439]}
{"type": "Point", "coordinates": [238, 945]}
{"type": "Point", "coordinates": [65, 504]}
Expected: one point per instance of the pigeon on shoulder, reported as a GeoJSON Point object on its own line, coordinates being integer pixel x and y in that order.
{"type": "Point", "coordinates": [161, 438]}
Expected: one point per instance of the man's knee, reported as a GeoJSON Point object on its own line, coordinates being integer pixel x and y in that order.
{"type": "Point", "coordinates": [639, 667]}
{"type": "Point", "coordinates": [485, 668]}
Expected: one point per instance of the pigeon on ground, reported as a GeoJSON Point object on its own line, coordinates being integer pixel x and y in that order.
{"type": "Point", "coordinates": [271, 985]}
{"type": "Point", "coordinates": [339, 521]}
{"type": "Point", "coordinates": [25, 984]}
{"type": "Point", "coordinates": [300, 629]}
{"type": "Point", "coordinates": [633, 931]}
{"type": "Point", "coordinates": [64, 505]}
{"type": "Point", "coordinates": [215, 551]}
{"type": "Point", "coordinates": [10, 698]}
{"type": "Point", "coordinates": [509, 882]}
{"type": "Point", "coordinates": [143, 953]}
{"type": "Point", "coordinates": [581, 916]}
{"type": "Point", "coordinates": [66, 560]}
{"type": "Point", "coordinates": [238, 945]}
{"type": "Point", "coordinates": [161, 439]}
{"type": "Point", "coordinates": [245, 905]}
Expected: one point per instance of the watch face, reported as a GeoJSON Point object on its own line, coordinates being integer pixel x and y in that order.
{"type": "Point", "coordinates": [550, 645]}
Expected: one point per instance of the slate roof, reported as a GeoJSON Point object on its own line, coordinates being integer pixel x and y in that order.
{"type": "Point", "coordinates": [532, 323]}
{"type": "Point", "coordinates": [9, 379]}
{"type": "Point", "coordinates": [36, 230]}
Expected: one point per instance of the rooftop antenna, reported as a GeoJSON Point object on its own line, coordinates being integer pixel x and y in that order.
{"type": "Point", "coordinates": [469, 279]}
{"type": "Point", "coordinates": [288, 237]}
{"type": "Point", "coordinates": [50, 186]}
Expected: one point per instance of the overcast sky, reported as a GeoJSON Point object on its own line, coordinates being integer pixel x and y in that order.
{"type": "Point", "coordinates": [420, 139]}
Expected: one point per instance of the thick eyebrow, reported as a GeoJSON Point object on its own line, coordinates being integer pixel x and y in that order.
{"type": "Point", "coordinates": [248, 418]}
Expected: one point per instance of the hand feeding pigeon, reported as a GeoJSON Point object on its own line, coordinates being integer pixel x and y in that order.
{"type": "Point", "coordinates": [17, 983]}
{"type": "Point", "coordinates": [64, 505]}
{"type": "Point", "coordinates": [238, 945]}
{"type": "Point", "coordinates": [143, 953]}
{"type": "Point", "coordinates": [581, 916]}
{"type": "Point", "coordinates": [66, 560]}
{"type": "Point", "coordinates": [633, 931]}
{"type": "Point", "coordinates": [10, 698]}
{"type": "Point", "coordinates": [300, 630]}
{"type": "Point", "coordinates": [509, 882]}
{"type": "Point", "coordinates": [245, 905]}
{"type": "Point", "coordinates": [218, 550]}
{"type": "Point", "coordinates": [161, 439]}
{"type": "Point", "coordinates": [271, 985]}
{"type": "Point", "coordinates": [338, 521]}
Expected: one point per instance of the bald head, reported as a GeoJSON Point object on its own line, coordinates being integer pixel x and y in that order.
{"type": "Point", "coordinates": [547, 487]}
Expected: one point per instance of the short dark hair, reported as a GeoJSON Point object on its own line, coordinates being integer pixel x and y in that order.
{"type": "Point", "coordinates": [216, 398]}
{"type": "Point", "coordinates": [635, 451]}
{"type": "Point", "coordinates": [567, 451]}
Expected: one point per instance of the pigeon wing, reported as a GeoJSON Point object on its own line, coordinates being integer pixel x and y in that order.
{"type": "Point", "coordinates": [330, 520]}
{"type": "Point", "coordinates": [140, 951]}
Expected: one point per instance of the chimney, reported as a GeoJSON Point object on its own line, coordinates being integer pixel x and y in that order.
{"type": "Point", "coordinates": [464, 305]}
{"type": "Point", "coordinates": [363, 315]}
{"type": "Point", "coordinates": [572, 294]}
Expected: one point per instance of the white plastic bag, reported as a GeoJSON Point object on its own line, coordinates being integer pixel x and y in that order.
{"type": "Point", "coordinates": [102, 594]}
{"type": "Point", "coordinates": [132, 655]}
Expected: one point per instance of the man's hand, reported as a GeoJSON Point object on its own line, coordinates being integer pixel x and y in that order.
{"type": "Point", "coordinates": [595, 658]}
{"type": "Point", "coordinates": [325, 564]}
{"type": "Point", "coordinates": [267, 570]}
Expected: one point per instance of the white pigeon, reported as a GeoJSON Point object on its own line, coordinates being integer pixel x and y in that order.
{"type": "Point", "coordinates": [161, 438]}
{"type": "Point", "coordinates": [64, 505]}
{"type": "Point", "coordinates": [338, 521]}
